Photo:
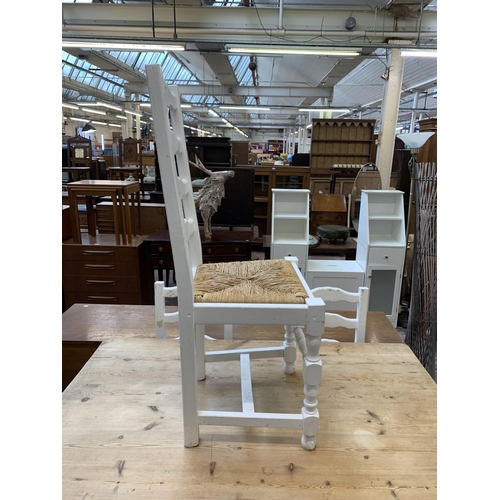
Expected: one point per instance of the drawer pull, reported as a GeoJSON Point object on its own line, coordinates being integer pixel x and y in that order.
{"type": "Point", "coordinates": [386, 256]}
{"type": "Point", "coordinates": [160, 249]}
{"type": "Point", "coordinates": [99, 266]}
{"type": "Point", "coordinates": [161, 262]}
{"type": "Point", "coordinates": [100, 282]}
{"type": "Point", "coordinates": [236, 250]}
{"type": "Point", "coordinates": [209, 250]}
{"type": "Point", "coordinates": [91, 298]}
{"type": "Point", "coordinates": [98, 252]}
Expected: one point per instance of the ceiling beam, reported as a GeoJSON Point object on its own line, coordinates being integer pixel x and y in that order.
{"type": "Point", "coordinates": [249, 25]}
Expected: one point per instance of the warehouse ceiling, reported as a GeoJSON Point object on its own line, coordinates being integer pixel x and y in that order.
{"type": "Point", "coordinates": [209, 76]}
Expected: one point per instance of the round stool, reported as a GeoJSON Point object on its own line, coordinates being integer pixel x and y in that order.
{"type": "Point", "coordinates": [331, 233]}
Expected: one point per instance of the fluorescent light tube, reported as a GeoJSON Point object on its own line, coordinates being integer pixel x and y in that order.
{"type": "Point", "coordinates": [114, 125]}
{"type": "Point", "coordinates": [121, 116]}
{"type": "Point", "coordinates": [418, 53]}
{"type": "Point", "coordinates": [79, 119]}
{"type": "Point", "coordinates": [130, 112]}
{"type": "Point", "coordinates": [126, 46]}
{"type": "Point", "coordinates": [213, 113]}
{"type": "Point", "coordinates": [333, 110]}
{"type": "Point", "coordinates": [94, 111]}
{"type": "Point", "coordinates": [98, 123]}
{"type": "Point", "coordinates": [286, 50]}
{"type": "Point", "coordinates": [252, 108]}
{"type": "Point", "coordinates": [71, 106]}
{"type": "Point", "coordinates": [148, 105]}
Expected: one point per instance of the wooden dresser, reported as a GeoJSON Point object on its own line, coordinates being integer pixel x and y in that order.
{"type": "Point", "coordinates": [99, 271]}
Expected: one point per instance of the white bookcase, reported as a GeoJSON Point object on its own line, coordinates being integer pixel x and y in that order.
{"type": "Point", "coordinates": [290, 225]}
{"type": "Point", "coordinates": [381, 248]}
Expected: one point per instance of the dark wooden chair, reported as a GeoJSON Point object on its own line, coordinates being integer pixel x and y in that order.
{"type": "Point", "coordinates": [79, 164]}
{"type": "Point", "coordinates": [129, 161]}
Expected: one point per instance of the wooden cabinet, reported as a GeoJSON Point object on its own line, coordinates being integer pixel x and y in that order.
{"type": "Point", "coordinates": [341, 143]}
{"type": "Point", "coordinates": [212, 151]}
{"type": "Point", "coordinates": [290, 225]}
{"type": "Point", "coordinates": [268, 177]}
{"type": "Point", "coordinates": [103, 273]}
{"type": "Point", "coordinates": [224, 246]}
{"type": "Point", "coordinates": [381, 248]}
{"type": "Point", "coordinates": [339, 148]}
{"type": "Point", "coordinates": [328, 209]}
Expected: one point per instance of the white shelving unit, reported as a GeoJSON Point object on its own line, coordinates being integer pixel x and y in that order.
{"type": "Point", "coordinates": [381, 248]}
{"type": "Point", "coordinates": [290, 225]}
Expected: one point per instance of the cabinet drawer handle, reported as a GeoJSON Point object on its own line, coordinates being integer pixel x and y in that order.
{"type": "Point", "coordinates": [90, 298]}
{"type": "Point", "coordinates": [161, 262]}
{"type": "Point", "coordinates": [209, 250]}
{"type": "Point", "coordinates": [386, 256]}
{"type": "Point", "coordinates": [99, 266]}
{"type": "Point", "coordinates": [98, 252]}
{"type": "Point", "coordinates": [236, 250]}
{"type": "Point", "coordinates": [160, 249]}
{"type": "Point", "coordinates": [100, 282]}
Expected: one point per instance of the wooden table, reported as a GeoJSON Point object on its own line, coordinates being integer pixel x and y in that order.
{"type": "Point", "coordinates": [346, 249]}
{"type": "Point", "coordinates": [122, 433]}
{"type": "Point", "coordinates": [85, 326]}
{"type": "Point", "coordinates": [121, 193]}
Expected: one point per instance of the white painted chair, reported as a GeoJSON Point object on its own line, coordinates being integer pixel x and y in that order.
{"type": "Point", "coordinates": [332, 295]}
{"type": "Point", "coordinates": [211, 301]}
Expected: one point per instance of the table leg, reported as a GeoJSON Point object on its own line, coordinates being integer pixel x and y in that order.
{"type": "Point", "coordinates": [128, 225]}
{"type": "Point", "coordinates": [91, 217]}
{"type": "Point", "coordinates": [116, 217]}
{"type": "Point", "coordinates": [75, 219]}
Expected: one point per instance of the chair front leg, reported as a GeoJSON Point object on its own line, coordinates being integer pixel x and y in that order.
{"type": "Point", "coordinates": [312, 373]}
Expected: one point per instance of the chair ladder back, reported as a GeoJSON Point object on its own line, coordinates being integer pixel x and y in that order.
{"type": "Point", "coordinates": [332, 320]}
{"type": "Point", "coordinates": [176, 179]}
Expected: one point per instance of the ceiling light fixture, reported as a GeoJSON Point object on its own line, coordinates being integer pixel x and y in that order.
{"type": "Point", "coordinates": [131, 112]}
{"type": "Point", "coordinates": [294, 50]}
{"type": "Point", "coordinates": [114, 125]}
{"type": "Point", "coordinates": [88, 128]}
{"type": "Point", "coordinates": [98, 123]}
{"type": "Point", "coordinates": [418, 53]}
{"type": "Point", "coordinates": [332, 110]}
{"type": "Point", "coordinates": [70, 106]}
{"type": "Point", "coordinates": [94, 111]}
{"type": "Point", "coordinates": [250, 108]}
{"type": "Point", "coordinates": [148, 105]}
{"type": "Point", "coordinates": [129, 46]}
{"type": "Point", "coordinates": [121, 117]}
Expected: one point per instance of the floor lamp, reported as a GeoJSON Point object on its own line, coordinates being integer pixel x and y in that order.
{"type": "Point", "coordinates": [414, 142]}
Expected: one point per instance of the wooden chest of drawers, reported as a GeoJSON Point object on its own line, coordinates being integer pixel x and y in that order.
{"type": "Point", "coordinates": [225, 246]}
{"type": "Point", "coordinates": [102, 272]}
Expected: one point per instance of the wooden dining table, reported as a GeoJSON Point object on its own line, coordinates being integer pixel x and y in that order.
{"type": "Point", "coordinates": [122, 431]}
{"type": "Point", "coordinates": [86, 326]}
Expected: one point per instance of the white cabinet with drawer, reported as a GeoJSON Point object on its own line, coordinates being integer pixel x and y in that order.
{"type": "Point", "coordinates": [381, 248]}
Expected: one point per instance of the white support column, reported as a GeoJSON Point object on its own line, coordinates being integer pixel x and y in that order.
{"type": "Point", "coordinates": [389, 117]}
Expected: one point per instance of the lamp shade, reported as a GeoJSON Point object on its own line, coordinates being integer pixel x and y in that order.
{"type": "Point", "coordinates": [88, 128]}
{"type": "Point", "coordinates": [416, 140]}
